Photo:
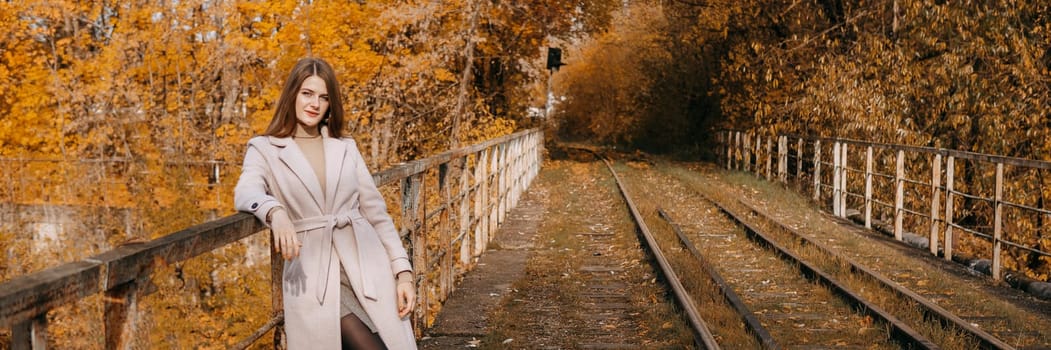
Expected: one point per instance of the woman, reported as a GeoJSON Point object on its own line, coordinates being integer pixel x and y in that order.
{"type": "Point", "coordinates": [347, 278]}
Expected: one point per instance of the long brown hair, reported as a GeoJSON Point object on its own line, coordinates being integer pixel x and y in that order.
{"type": "Point", "coordinates": [284, 122]}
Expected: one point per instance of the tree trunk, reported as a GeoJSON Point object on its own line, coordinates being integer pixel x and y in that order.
{"type": "Point", "coordinates": [465, 79]}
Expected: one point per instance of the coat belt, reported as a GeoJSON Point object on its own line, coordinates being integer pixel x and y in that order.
{"type": "Point", "coordinates": [330, 223]}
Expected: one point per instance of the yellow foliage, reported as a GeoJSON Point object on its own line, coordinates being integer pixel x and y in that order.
{"type": "Point", "coordinates": [136, 114]}
{"type": "Point", "coordinates": [444, 75]}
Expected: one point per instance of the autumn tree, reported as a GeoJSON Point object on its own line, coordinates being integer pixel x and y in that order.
{"type": "Point", "coordinates": [966, 76]}
{"type": "Point", "coordinates": [132, 118]}
{"type": "Point", "coordinates": [604, 81]}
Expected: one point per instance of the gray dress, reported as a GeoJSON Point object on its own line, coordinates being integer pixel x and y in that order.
{"type": "Point", "coordinates": [348, 302]}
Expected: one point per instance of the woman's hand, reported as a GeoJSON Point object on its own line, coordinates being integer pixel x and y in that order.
{"type": "Point", "coordinates": [406, 294]}
{"type": "Point", "coordinates": [285, 240]}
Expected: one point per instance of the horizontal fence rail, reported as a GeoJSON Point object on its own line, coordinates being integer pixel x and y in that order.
{"type": "Point", "coordinates": [925, 196]}
{"type": "Point", "coordinates": [450, 207]}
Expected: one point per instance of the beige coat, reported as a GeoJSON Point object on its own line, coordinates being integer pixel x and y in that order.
{"type": "Point", "coordinates": [348, 224]}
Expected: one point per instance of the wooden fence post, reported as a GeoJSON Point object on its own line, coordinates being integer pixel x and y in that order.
{"type": "Point", "coordinates": [769, 157]}
{"type": "Point", "coordinates": [465, 212]}
{"type": "Point", "coordinates": [837, 169]}
{"type": "Point", "coordinates": [503, 183]}
{"type": "Point", "coordinates": [799, 163]}
{"type": "Point", "coordinates": [817, 170]}
{"type": "Point", "coordinates": [512, 170]}
{"type": "Point", "coordinates": [508, 188]}
{"type": "Point", "coordinates": [868, 187]}
{"type": "Point", "coordinates": [445, 261]}
{"type": "Point", "coordinates": [780, 158]}
{"type": "Point", "coordinates": [518, 173]}
{"type": "Point", "coordinates": [731, 150]}
{"type": "Point", "coordinates": [782, 162]}
{"type": "Point", "coordinates": [534, 150]}
{"type": "Point", "coordinates": [481, 203]}
{"type": "Point", "coordinates": [936, 183]}
{"type": "Point", "coordinates": [121, 304]}
{"type": "Point", "coordinates": [760, 170]}
{"type": "Point", "coordinates": [538, 155]}
{"type": "Point", "coordinates": [843, 173]}
{"type": "Point", "coordinates": [493, 196]}
{"type": "Point", "coordinates": [516, 163]}
{"type": "Point", "coordinates": [31, 334]}
{"type": "Point", "coordinates": [277, 273]}
{"type": "Point", "coordinates": [411, 203]}
{"type": "Point", "coordinates": [899, 195]}
{"type": "Point", "coordinates": [949, 168]}
{"type": "Point", "coordinates": [998, 219]}
{"type": "Point", "coordinates": [735, 157]}
{"type": "Point", "coordinates": [727, 141]}
{"type": "Point", "coordinates": [747, 159]}
{"type": "Point", "coordinates": [758, 152]}
{"type": "Point", "coordinates": [539, 144]}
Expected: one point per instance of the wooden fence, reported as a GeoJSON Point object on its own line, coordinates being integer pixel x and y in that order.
{"type": "Point", "coordinates": [450, 205]}
{"type": "Point", "coordinates": [944, 196]}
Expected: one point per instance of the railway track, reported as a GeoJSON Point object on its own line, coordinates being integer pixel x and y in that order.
{"type": "Point", "coordinates": [940, 291]}
{"type": "Point", "coordinates": [766, 285]}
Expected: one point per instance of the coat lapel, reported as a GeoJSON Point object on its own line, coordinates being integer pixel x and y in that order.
{"type": "Point", "coordinates": [335, 151]}
{"type": "Point", "coordinates": [293, 157]}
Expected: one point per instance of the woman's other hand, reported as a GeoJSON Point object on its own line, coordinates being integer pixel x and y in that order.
{"type": "Point", "coordinates": [406, 294]}
{"type": "Point", "coordinates": [285, 240]}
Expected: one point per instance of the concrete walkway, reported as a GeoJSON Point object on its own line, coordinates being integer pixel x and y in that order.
{"type": "Point", "coordinates": [463, 319]}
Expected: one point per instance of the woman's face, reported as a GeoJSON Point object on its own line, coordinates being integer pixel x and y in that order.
{"type": "Point", "coordinates": [311, 101]}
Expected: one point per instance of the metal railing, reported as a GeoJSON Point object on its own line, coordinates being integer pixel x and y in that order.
{"type": "Point", "coordinates": [980, 197]}
{"type": "Point", "coordinates": [450, 206]}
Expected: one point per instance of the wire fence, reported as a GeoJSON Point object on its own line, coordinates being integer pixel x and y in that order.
{"type": "Point", "coordinates": [956, 202]}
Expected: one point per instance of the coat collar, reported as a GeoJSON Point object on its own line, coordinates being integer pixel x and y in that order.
{"type": "Point", "coordinates": [292, 156]}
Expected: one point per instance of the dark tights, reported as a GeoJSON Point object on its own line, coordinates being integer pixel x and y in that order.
{"type": "Point", "coordinates": [356, 335]}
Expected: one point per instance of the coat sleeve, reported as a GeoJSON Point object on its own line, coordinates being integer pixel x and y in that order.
{"type": "Point", "coordinates": [375, 211]}
{"type": "Point", "coordinates": [252, 193]}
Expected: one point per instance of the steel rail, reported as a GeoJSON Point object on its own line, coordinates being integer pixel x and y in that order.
{"type": "Point", "coordinates": [901, 331]}
{"type": "Point", "coordinates": [725, 289]}
{"type": "Point", "coordinates": [945, 317]}
{"type": "Point", "coordinates": [707, 339]}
